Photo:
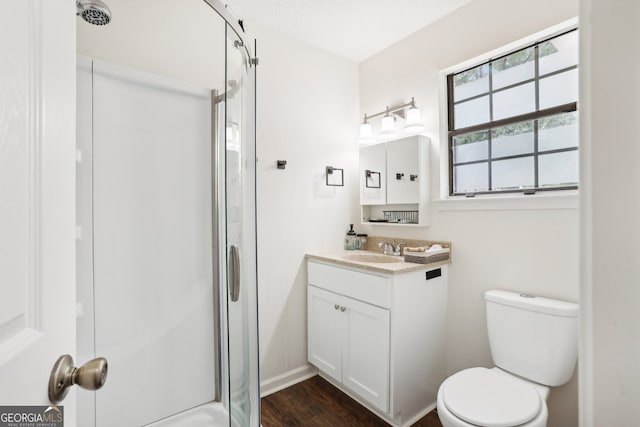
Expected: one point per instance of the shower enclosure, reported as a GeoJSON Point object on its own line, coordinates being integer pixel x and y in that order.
{"type": "Point", "coordinates": [166, 213]}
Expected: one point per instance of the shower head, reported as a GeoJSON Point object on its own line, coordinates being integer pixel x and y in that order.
{"type": "Point", "coordinates": [95, 12]}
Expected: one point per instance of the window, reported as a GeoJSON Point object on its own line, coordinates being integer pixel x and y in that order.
{"type": "Point", "coordinates": [513, 121]}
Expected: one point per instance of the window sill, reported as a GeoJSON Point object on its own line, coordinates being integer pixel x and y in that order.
{"type": "Point", "coordinates": [568, 200]}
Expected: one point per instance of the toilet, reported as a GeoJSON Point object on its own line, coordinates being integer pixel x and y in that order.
{"type": "Point", "coordinates": [534, 345]}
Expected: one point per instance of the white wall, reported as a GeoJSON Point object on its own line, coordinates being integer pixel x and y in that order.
{"type": "Point", "coordinates": [610, 213]}
{"type": "Point", "coordinates": [530, 250]}
{"type": "Point", "coordinates": [307, 115]}
{"type": "Point", "coordinates": [181, 39]}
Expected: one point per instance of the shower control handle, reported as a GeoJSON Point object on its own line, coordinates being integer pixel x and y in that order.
{"type": "Point", "coordinates": [234, 273]}
{"type": "Point", "coordinates": [90, 376]}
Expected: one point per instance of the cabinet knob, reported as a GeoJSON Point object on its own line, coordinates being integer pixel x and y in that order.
{"type": "Point", "coordinates": [342, 309]}
{"type": "Point", "coordinates": [336, 307]}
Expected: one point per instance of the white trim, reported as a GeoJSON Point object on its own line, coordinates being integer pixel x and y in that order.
{"type": "Point", "coordinates": [509, 202]}
{"type": "Point", "coordinates": [420, 415]}
{"type": "Point", "coordinates": [586, 388]}
{"type": "Point", "coordinates": [287, 379]}
{"type": "Point", "coordinates": [145, 79]}
{"type": "Point", "coordinates": [516, 45]}
{"type": "Point", "coordinates": [18, 343]}
{"type": "Point", "coordinates": [442, 92]}
{"type": "Point", "coordinates": [20, 332]}
{"type": "Point", "coordinates": [35, 142]}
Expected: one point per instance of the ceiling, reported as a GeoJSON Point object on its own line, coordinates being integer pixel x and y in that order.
{"type": "Point", "coordinates": [354, 29]}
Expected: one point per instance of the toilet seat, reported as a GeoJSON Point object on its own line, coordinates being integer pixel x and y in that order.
{"type": "Point", "coordinates": [484, 397]}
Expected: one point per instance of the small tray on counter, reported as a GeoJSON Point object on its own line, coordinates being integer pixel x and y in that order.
{"type": "Point", "coordinates": [427, 257]}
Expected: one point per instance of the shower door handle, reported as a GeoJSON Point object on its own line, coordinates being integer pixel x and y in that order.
{"type": "Point", "coordinates": [234, 273]}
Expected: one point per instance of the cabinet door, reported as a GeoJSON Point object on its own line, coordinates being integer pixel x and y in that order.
{"type": "Point", "coordinates": [324, 328]}
{"type": "Point", "coordinates": [365, 359]}
{"type": "Point", "coordinates": [403, 162]}
{"type": "Point", "coordinates": [373, 188]}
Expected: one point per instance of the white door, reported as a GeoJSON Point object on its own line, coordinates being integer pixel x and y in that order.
{"type": "Point", "coordinates": [37, 197]}
{"type": "Point", "coordinates": [365, 353]}
{"type": "Point", "coordinates": [325, 331]}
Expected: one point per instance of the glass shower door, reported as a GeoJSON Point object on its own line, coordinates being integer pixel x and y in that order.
{"type": "Point", "coordinates": [240, 222]}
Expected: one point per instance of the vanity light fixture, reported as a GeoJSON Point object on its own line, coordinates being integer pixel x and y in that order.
{"type": "Point", "coordinates": [413, 122]}
{"type": "Point", "coordinates": [366, 131]}
{"type": "Point", "coordinates": [388, 125]}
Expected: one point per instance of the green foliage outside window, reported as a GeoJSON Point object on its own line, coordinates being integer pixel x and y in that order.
{"type": "Point", "coordinates": [517, 58]}
{"type": "Point", "coordinates": [517, 128]}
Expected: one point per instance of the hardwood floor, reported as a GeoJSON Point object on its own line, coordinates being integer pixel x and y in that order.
{"type": "Point", "coordinates": [316, 403]}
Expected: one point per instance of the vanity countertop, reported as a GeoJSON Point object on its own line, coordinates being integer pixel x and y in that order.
{"type": "Point", "coordinates": [358, 259]}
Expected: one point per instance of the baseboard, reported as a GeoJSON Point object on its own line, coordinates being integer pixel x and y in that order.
{"type": "Point", "coordinates": [287, 379]}
{"type": "Point", "coordinates": [420, 415]}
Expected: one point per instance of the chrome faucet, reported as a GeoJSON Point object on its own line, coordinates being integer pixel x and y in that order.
{"type": "Point", "coordinates": [398, 249]}
{"type": "Point", "coordinates": [387, 248]}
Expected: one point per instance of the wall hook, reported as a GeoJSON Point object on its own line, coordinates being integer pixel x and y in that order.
{"type": "Point", "coordinates": [281, 164]}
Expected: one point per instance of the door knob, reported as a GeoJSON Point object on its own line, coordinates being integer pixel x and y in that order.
{"type": "Point", "coordinates": [90, 376]}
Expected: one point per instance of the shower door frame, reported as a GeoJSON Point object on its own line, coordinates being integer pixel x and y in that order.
{"type": "Point", "coordinates": [219, 254]}
{"type": "Point", "coordinates": [219, 221]}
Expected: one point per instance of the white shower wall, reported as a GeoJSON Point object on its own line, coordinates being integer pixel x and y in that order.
{"type": "Point", "coordinates": [152, 243]}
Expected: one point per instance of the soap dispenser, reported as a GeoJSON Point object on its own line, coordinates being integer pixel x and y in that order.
{"type": "Point", "coordinates": [350, 239]}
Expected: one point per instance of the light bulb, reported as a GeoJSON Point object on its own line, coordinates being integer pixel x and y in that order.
{"type": "Point", "coordinates": [366, 131]}
{"type": "Point", "coordinates": [388, 126]}
{"type": "Point", "coordinates": [414, 122]}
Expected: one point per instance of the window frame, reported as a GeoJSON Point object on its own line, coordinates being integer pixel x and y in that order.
{"type": "Point", "coordinates": [494, 124]}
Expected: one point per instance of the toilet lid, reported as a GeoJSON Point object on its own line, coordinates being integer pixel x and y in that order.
{"type": "Point", "coordinates": [487, 398]}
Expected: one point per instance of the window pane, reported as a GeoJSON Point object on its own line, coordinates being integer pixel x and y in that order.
{"type": "Point", "coordinates": [559, 53]}
{"type": "Point", "coordinates": [559, 131]}
{"type": "Point", "coordinates": [513, 68]}
{"type": "Point", "coordinates": [471, 83]}
{"type": "Point", "coordinates": [559, 89]}
{"type": "Point", "coordinates": [472, 112]}
{"type": "Point", "coordinates": [541, 152]}
{"type": "Point", "coordinates": [471, 178]}
{"type": "Point", "coordinates": [470, 147]}
{"type": "Point", "coordinates": [512, 140]}
{"type": "Point", "coordinates": [558, 169]}
{"type": "Point", "coordinates": [512, 174]}
{"type": "Point", "coordinates": [514, 101]}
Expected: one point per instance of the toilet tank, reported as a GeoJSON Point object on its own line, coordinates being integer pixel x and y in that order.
{"type": "Point", "coordinates": [533, 337]}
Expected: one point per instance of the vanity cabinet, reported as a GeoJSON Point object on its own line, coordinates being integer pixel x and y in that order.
{"type": "Point", "coordinates": [349, 341]}
{"type": "Point", "coordinates": [394, 178]}
{"type": "Point", "coordinates": [379, 337]}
